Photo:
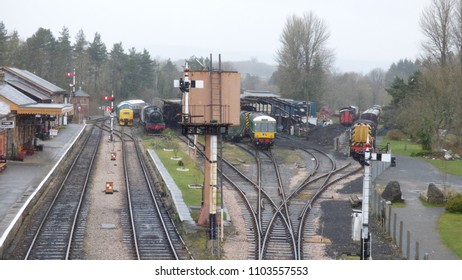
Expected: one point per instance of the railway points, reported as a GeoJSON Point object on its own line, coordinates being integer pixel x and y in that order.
{"type": "Point", "coordinates": [54, 147]}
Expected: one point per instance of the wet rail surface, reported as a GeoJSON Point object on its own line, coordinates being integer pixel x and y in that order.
{"type": "Point", "coordinates": [57, 229]}
{"type": "Point", "coordinates": [155, 234]}
{"type": "Point", "coordinates": [54, 238]}
{"type": "Point", "coordinates": [280, 220]}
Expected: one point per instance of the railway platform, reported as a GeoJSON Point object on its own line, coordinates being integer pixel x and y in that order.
{"type": "Point", "coordinates": [22, 180]}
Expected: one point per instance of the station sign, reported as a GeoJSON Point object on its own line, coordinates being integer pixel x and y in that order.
{"type": "Point", "coordinates": [6, 124]}
{"type": "Point", "coordinates": [381, 157]}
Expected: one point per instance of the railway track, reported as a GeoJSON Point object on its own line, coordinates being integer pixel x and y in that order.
{"type": "Point", "coordinates": [154, 232]}
{"type": "Point", "coordinates": [58, 229]}
{"type": "Point", "coordinates": [277, 236]}
{"type": "Point", "coordinates": [56, 237]}
{"type": "Point", "coordinates": [280, 218]}
{"type": "Point", "coordinates": [285, 216]}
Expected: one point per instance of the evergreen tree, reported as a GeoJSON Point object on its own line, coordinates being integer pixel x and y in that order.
{"type": "Point", "coordinates": [117, 62]}
{"type": "Point", "coordinates": [3, 44]}
{"type": "Point", "coordinates": [97, 57]}
{"type": "Point", "coordinates": [15, 50]}
{"type": "Point", "coordinates": [131, 84]}
{"type": "Point", "coordinates": [63, 59]}
{"type": "Point", "coordinates": [146, 71]}
{"type": "Point", "coordinates": [40, 50]}
{"type": "Point", "coordinates": [168, 73]}
{"type": "Point", "coordinates": [80, 60]}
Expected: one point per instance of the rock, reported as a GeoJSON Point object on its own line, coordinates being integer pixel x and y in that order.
{"type": "Point", "coordinates": [435, 195]}
{"type": "Point", "coordinates": [392, 192]}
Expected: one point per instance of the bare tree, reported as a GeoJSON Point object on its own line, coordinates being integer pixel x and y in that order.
{"type": "Point", "coordinates": [377, 82]}
{"type": "Point", "coordinates": [437, 23]}
{"type": "Point", "coordinates": [304, 57]}
{"type": "Point", "coordinates": [457, 29]}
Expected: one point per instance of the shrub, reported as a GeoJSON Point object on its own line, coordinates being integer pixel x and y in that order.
{"type": "Point", "coordinates": [454, 204]}
{"type": "Point", "coordinates": [421, 154]}
{"type": "Point", "coordinates": [394, 134]}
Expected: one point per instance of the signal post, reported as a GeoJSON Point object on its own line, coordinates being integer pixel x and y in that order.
{"type": "Point", "coordinates": [210, 104]}
{"type": "Point", "coordinates": [368, 158]}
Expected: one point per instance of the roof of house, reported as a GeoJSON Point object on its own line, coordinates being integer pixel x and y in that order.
{"type": "Point", "coordinates": [15, 96]}
{"type": "Point", "coordinates": [33, 80]}
{"type": "Point", "coordinates": [81, 93]}
{"type": "Point", "coordinates": [23, 104]}
{"type": "Point", "coordinates": [39, 96]}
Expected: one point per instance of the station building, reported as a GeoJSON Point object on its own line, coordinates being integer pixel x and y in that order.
{"type": "Point", "coordinates": [34, 110]}
{"type": "Point", "coordinates": [81, 102]}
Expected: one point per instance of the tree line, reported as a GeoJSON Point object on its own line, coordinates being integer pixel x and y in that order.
{"type": "Point", "coordinates": [427, 105]}
{"type": "Point", "coordinates": [423, 95]}
{"type": "Point", "coordinates": [305, 69]}
{"type": "Point", "coordinates": [421, 98]}
{"type": "Point", "coordinates": [125, 74]}
{"type": "Point", "coordinates": [132, 74]}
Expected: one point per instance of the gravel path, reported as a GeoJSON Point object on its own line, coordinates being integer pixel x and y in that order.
{"type": "Point", "coordinates": [104, 232]}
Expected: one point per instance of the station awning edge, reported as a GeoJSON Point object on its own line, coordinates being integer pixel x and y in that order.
{"type": "Point", "coordinates": [45, 109]}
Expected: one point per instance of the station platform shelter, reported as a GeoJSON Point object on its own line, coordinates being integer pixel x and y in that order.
{"type": "Point", "coordinates": [32, 112]}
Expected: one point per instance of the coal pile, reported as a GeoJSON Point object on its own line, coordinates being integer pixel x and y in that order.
{"type": "Point", "coordinates": [324, 135]}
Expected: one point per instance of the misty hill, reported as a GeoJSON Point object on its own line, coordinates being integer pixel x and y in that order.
{"type": "Point", "coordinates": [254, 68]}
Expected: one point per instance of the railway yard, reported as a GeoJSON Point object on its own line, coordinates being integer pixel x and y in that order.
{"type": "Point", "coordinates": [301, 210]}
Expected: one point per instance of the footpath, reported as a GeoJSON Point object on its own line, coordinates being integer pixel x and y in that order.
{"type": "Point", "coordinates": [414, 176]}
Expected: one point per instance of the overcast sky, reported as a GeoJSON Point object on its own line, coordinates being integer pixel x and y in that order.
{"type": "Point", "coordinates": [364, 34]}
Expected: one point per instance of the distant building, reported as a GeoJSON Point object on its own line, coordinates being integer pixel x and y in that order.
{"type": "Point", "coordinates": [81, 102]}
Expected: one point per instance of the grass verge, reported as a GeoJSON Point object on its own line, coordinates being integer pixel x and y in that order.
{"type": "Point", "coordinates": [406, 148]}
{"type": "Point", "coordinates": [449, 224]}
{"type": "Point", "coordinates": [450, 228]}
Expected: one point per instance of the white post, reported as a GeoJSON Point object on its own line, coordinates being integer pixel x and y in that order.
{"type": "Point", "coordinates": [213, 185]}
{"type": "Point", "coordinates": [365, 208]}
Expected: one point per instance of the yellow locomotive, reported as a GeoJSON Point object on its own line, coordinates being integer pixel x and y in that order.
{"type": "Point", "coordinates": [125, 117]}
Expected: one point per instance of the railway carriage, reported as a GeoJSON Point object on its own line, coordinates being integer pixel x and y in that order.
{"type": "Point", "coordinates": [348, 115]}
{"type": "Point", "coordinates": [259, 127]}
{"type": "Point", "coordinates": [137, 105]}
{"type": "Point", "coordinates": [371, 114]}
